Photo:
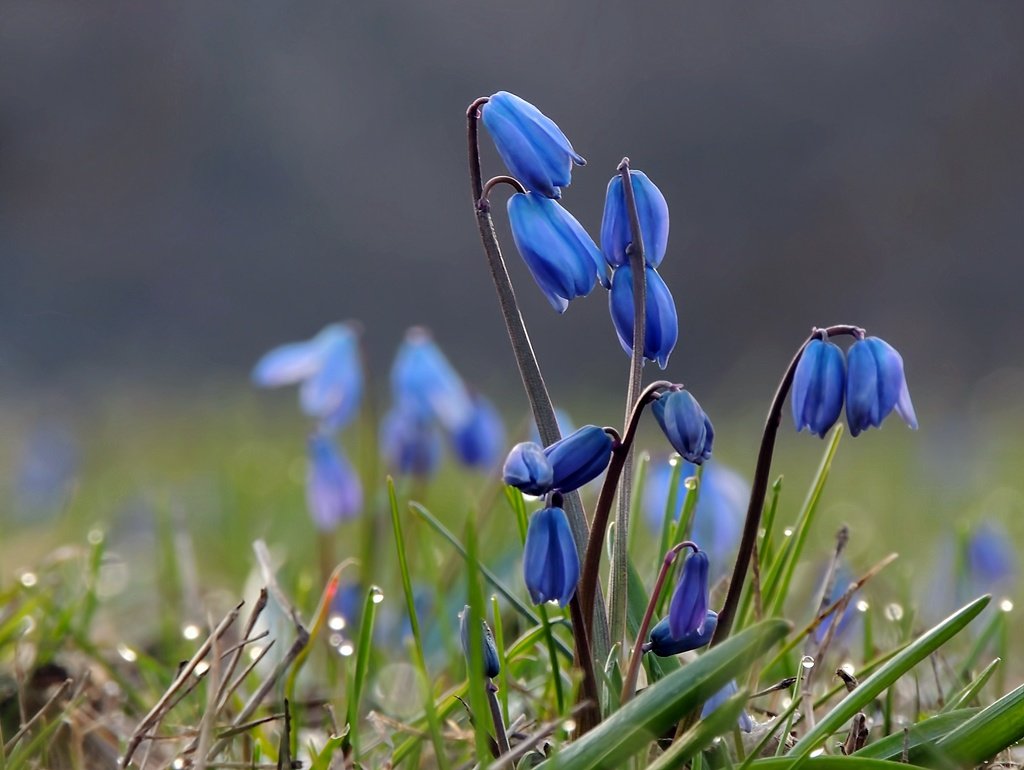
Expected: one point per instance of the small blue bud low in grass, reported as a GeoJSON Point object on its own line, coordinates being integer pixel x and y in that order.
{"type": "Point", "coordinates": [533, 148]}
{"type": "Point", "coordinates": [527, 469]}
{"type": "Point", "coordinates": [688, 609]}
{"type": "Point", "coordinates": [423, 380]}
{"type": "Point", "coordinates": [479, 443]}
{"type": "Point", "coordinates": [564, 261]}
{"type": "Point", "coordinates": [875, 386]}
{"type": "Point", "coordinates": [333, 491]}
{"type": "Point", "coordinates": [489, 656]}
{"type": "Point", "coordinates": [685, 425]}
{"type": "Point", "coordinates": [579, 458]}
{"type": "Point", "coordinates": [745, 723]}
{"type": "Point", "coordinates": [661, 324]}
{"type": "Point", "coordinates": [663, 644]}
{"type": "Point", "coordinates": [818, 387]}
{"type": "Point", "coordinates": [551, 566]}
{"type": "Point", "coordinates": [410, 442]}
{"type": "Point", "coordinates": [616, 234]}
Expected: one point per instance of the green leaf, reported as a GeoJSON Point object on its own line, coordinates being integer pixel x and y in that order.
{"type": "Point", "coordinates": [987, 733]}
{"type": "Point", "coordinates": [926, 731]}
{"type": "Point", "coordinates": [719, 722]}
{"type": "Point", "coordinates": [968, 693]}
{"type": "Point", "coordinates": [826, 762]}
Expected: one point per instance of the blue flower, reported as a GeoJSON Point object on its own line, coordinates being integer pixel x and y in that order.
{"type": "Point", "coordinates": [410, 442]}
{"type": "Point", "coordinates": [616, 234]}
{"type": "Point", "coordinates": [688, 609]}
{"type": "Point", "coordinates": [479, 443]}
{"type": "Point", "coordinates": [661, 324]}
{"type": "Point", "coordinates": [491, 663]}
{"type": "Point", "coordinates": [663, 644]}
{"type": "Point", "coordinates": [333, 491]}
{"type": "Point", "coordinates": [875, 385]}
{"type": "Point", "coordinates": [685, 425]}
{"type": "Point", "coordinates": [563, 259]}
{"type": "Point", "coordinates": [551, 566]}
{"type": "Point", "coordinates": [746, 724]}
{"type": "Point", "coordinates": [579, 458]}
{"type": "Point", "coordinates": [991, 561]}
{"type": "Point", "coordinates": [818, 387]}
{"type": "Point", "coordinates": [528, 469]}
{"type": "Point", "coordinates": [422, 380]}
{"type": "Point", "coordinates": [534, 149]}
{"type": "Point", "coordinates": [329, 369]}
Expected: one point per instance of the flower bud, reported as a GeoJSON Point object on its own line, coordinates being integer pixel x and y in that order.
{"type": "Point", "coordinates": [579, 458]}
{"type": "Point", "coordinates": [685, 425]}
{"type": "Point", "coordinates": [688, 609]}
{"type": "Point", "coordinates": [818, 387]}
{"type": "Point", "coordinates": [551, 566]}
{"type": "Point", "coordinates": [528, 469]}
{"type": "Point", "coordinates": [652, 210]}
{"type": "Point", "coordinates": [489, 656]}
{"type": "Point", "coordinates": [663, 644]}
{"type": "Point", "coordinates": [875, 385]}
{"type": "Point", "coordinates": [661, 324]}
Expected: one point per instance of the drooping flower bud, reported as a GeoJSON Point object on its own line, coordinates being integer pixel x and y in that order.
{"type": "Point", "coordinates": [528, 469]}
{"type": "Point", "coordinates": [663, 644]}
{"type": "Point", "coordinates": [579, 458]}
{"type": "Point", "coordinates": [818, 387]}
{"type": "Point", "coordinates": [333, 491]}
{"type": "Point", "coordinates": [688, 609]}
{"type": "Point", "coordinates": [478, 443]}
{"type": "Point", "coordinates": [875, 385]}
{"type": "Point", "coordinates": [661, 323]}
{"type": "Point", "coordinates": [685, 425]}
{"type": "Point", "coordinates": [616, 232]}
{"type": "Point", "coordinates": [551, 566]}
{"type": "Point", "coordinates": [423, 380]}
{"type": "Point", "coordinates": [489, 656]}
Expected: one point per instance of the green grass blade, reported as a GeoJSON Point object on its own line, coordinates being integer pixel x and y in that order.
{"type": "Point", "coordinates": [719, 722]}
{"type": "Point", "coordinates": [362, 665]}
{"type": "Point", "coordinates": [968, 693]}
{"type": "Point", "coordinates": [826, 762]}
{"type": "Point", "coordinates": [925, 732]}
{"type": "Point", "coordinates": [475, 659]}
{"type": "Point", "coordinates": [668, 517]}
{"type": "Point", "coordinates": [986, 733]}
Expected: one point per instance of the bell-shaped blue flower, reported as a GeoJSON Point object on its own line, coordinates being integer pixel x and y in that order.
{"type": "Point", "coordinates": [745, 723]}
{"type": "Point", "coordinates": [688, 609]}
{"type": "Point", "coordinates": [663, 644]}
{"type": "Point", "coordinates": [423, 380]}
{"type": "Point", "coordinates": [534, 149]}
{"type": "Point", "coordinates": [410, 442]}
{"type": "Point", "coordinates": [562, 258]}
{"type": "Point", "coordinates": [528, 469]}
{"type": "Point", "coordinates": [685, 425]}
{"type": "Point", "coordinates": [818, 387]}
{"type": "Point", "coordinates": [990, 562]}
{"type": "Point", "coordinates": [489, 656]}
{"type": "Point", "coordinates": [333, 491]}
{"type": "Point", "coordinates": [579, 458]}
{"type": "Point", "coordinates": [551, 566]}
{"type": "Point", "coordinates": [661, 324]}
{"type": "Point", "coordinates": [616, 235]}
{"type": "Point", "coordinates": [479, 443]}
{"type": "Point", "coordinates": [875, 386]}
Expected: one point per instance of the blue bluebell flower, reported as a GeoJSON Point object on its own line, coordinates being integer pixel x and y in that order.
{"type": "Point", "coordinates": [410, 441]}
{"type": "Point", "coordinates": [534, 149]}
{"type": "Point", "coordinates": [491, 663]}
{"type": "Point", "coordinates": [551, 566]}
{"type": "Point", "coordinates": [579, 458]}
{"type": "Point", "coordinates": [688, 609]}
{"type": "Point", "coordinates": [746, 724]}
{"type": "Point", "coordinates": [479, 443]}
{"type": "Point", "coordinates": [875, 386]}
{"type": "Point", "coordinates": [616, 234]}
{"type": "Point", "coordinates": [819, 384]}
{"type": "Point", "coordinates": [663, 644]}
{"type": "Point", "coordinates": [563, 259]}
{"type": "Point", "coordinates": [685, 425]}
{"type": "Point", "coordinates": [661, 324]}
{"type": "Point", "coordinates": [330, 371]}
{"type": "Point", "coordinates": [333, 491]}
{"type": "Point", "coordinates": [991, 559]}
{"type": "Point", "coordinates": [528, 469]}
{"type": "Point", "coordinates": [422, 380]}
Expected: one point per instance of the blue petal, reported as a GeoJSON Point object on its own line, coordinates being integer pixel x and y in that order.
{"type": "Point", "coordinates": [579, 458]}
{"type": "Point", "coordinates": [478, 444]}
{"type": "Point", "coordinates": [652, 212]}
{"type": "Point", "coordinates": [334, 391]}
{"type": "Point", "coordinates": [536, 564]}
{"type": "Point", "coordinates": [566, 558]}
{"type": "Point", "coordinates": [689, 605]}
{"type": "Point", "coordinates": [333, 491]}
{"type": "Point", "coordinates": [861, 388]}
{"type": "Point", "coordinates": [287, 364]}
{"type": "Point", "coordinates": [615, 233]}
{"type": "Point", "coordinates": [663, 644]}
{"type": "Point", "coordinates": [661, 324]}
{"type": "Point", "coordinates": [410, 442]}
{"type": "Point", "coordinates": [527, 469]}
{"type": "Point", "coordinates": [423, 380]}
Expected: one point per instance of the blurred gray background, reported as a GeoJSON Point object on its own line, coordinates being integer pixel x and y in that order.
{"type": "Point", "coordinates": [183, 185]}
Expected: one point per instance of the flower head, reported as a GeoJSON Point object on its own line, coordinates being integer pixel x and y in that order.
{"type": "Point", "coordinates": [333, 491]}
{"type": "Point", "coordinates": [688, 609]}
{"type": "Point", "coordinates": [579, 458]}
{"type": "Point", "coordinates": [818, 387]}
{"type": "Point", "coordinates": [534, 149]}
{"type": "Point", "coordinates": [479, 442]}
{"type": "Point", "coordinates": [563, 259]}
{"type": "Point", "coordinates": [551, 566]}
{"type": "Point", "coordinates": [685, 425]}
{"type": "Point", "coordinates": [410, 442]}
{"type": "Point", "coordinates": [663, 644]}
{"type": "Point", "coordinates": [422, 380]}
{"type": "Point", "coordinates": [875, 386]}
{"type": "Point", "coordinates": [616, 233]}
{"type": "Point", "coordinates": [489, 656]}
{"type": "Point", "coordinates": [528, 469]}
{"type": "Point", "coordinates": [661, 324]}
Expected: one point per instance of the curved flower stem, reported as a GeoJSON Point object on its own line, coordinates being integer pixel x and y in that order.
{"type": "Point", "coordinates": [493, 182]}
{"type": "Point", "coordinates": [619, 573]}
{"type": "Point", "coordinates": [588, 585]}
{"type": "Point", "coordinates": [760, 484]}
{"type": "Point", "coordinates": [629, 682]}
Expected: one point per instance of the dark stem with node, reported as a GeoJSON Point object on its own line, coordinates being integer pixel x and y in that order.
{"type": "Point", "coordinates": [483, 204]}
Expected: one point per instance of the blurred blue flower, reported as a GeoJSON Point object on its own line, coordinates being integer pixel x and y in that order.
{"type": "Point", "coordinates": [661, 324]}
{"type": "Point", "coordinates": [533, 148]}
{"type": "Point", "coordinates": [479, 443]}
{"type": "Point", "coordinates": [663, 644]}
{"type": "Point", "coordinates": [528, 469]}
{"type": "Point", "coordinates": [746, 724]}
{"type": "Point", "coordinates": [423, 381]}
{"type": "Point", "coordinates": [688, 609]}
{"type": "Point", "coordinates": [685, 425]}
{"type": "Point", "coordinates": [410, 442]}
{"type": "Point", "coordinates": [333, 491]}
{"type": "Point", "coordinates": [551, 566]}
{"type": "Point", "coordinates": [47, 468]}
{"type": "Point", "coordinates": [990, 559]}
{"type": "Point", "coordinates": [875, 385]}
{"type": "Point", "coordinates": [564, 261]}
{"type": "Point", "coordinates": [818, 387]}
{"type": "Point", "coordinates": [579, 458]}
{"type": "Point", "coordinates": [616, 234]}
{"type": "Point", "coordinates": [492, 665]}
{"type": "Point", "coordinates": [329, 369]}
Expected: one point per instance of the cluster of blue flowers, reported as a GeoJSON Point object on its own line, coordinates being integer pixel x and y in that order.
{"type": "Point", "coordinates": [563, 258]}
